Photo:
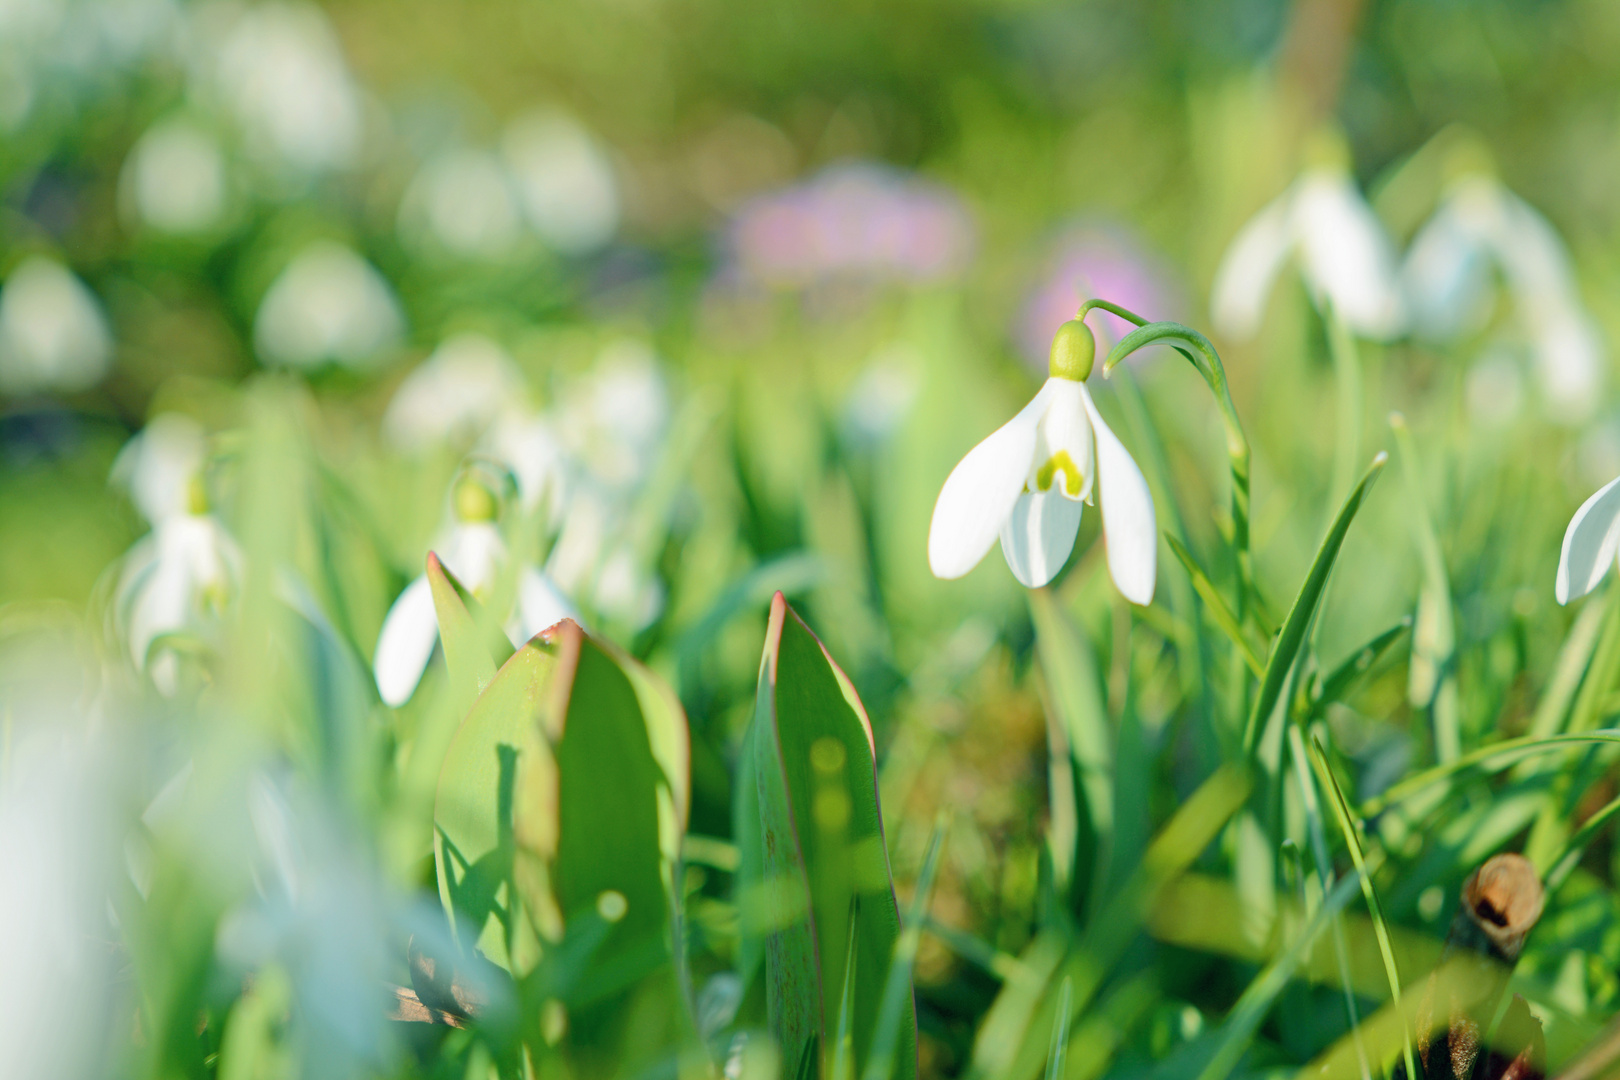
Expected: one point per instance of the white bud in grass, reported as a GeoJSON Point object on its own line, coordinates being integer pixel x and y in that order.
{"type": "Point", "coordinates": [327, 306]}
{"type": "Point", "coordinates": [454, 395]}
{"type": "Point", "coordinates": [462, 201]}
{"type": "Point", "coordinates": [565, 181]}
{"type": "Point", "coordinates": [175, 179]}
{"type": "Point", "coordinates": [53, 335]}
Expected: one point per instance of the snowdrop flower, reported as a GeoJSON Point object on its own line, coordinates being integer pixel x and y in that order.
{"type": "Point", "coordinates": [175, 179]}
{"type": "Point", "coordinates": [455, 394]}
{"type": "Point", "coordinates": [565, 181]}
{"type": "Point", "coordinates": [156, 467]}
{"type": "Point", "coordinates": [1344, 256]}
{"type": "Point", "coordinates": [462, 201]}
{"type": "Point", "coordinates": [475, 553]}
{"type": "Point", "coordinates": [1591, 544]}
{"type": "Point", "coordinates": [328, 305]}
{"type": "Point", "coordinates": [53, 335]}
{"type": "Point", "coordinates": [1028, 479]}
{"type": "Point", "coordinates": [282, 72]}
{"type": "Point", "coordinates": [1479, 225]}
{"type": "Point", "coordinates": [182, 575]}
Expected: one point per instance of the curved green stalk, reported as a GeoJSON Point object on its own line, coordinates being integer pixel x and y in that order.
{"type": "Point", "coordinates": [1202, 355]}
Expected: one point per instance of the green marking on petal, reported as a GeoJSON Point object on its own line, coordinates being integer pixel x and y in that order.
{"type": "Point", "coordinates": [1074, 480]}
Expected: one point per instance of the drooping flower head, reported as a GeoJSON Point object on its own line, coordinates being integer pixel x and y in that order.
{"type": "Point", "coordinates": [1027, 482]}
{"type": "Point", "coordinates": [1343, 253]}
{"type": "Point", "coordinates": [182, 575]}
{"type": "Point", "coordinates": [1481, 226]}
{"type": "Point", "coordinates": [473, 550]}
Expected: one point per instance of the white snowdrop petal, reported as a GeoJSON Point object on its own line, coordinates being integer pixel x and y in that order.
{"type": "Point", "coordinates": [1039, 534]}
{"type": "Point", "coordinates": [1247, 270]}
{"type": "Point", "coordinates": [1446, 275]}
{"type": "Point", "coordinates": [1129, 529]}
{"type": "Point", "coordinates": [541, 604]}
{"type": "Point", "coordinates": [408, 635]}
{"type": "Point", "coordinates": [1590, 544]}
{"type": "Point", "coordinates": [1347, 255]}
{"type": "Point", "coordinates": [981, 491]}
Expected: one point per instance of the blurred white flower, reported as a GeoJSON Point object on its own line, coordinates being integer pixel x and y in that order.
{"type": "Point", "coordinates": [1479, 227]}
{"type": "Point", "coordinates": [615, 419]}
{"type": "Point", "coordinates": [282, 71]}
{"type": "Point", "coordinates": [175, 179]}
{"type": "Point", "coordinates": [474, 552]}
{"type": "Point", "coordinates": [462, 201]}
{"type": "Point", "coordinates": [529, 445]}
{"type": "Point", "coordinates": [53, 335]}
{"type": "Point", "coordinates": [328, 305]}
{"type": "Point", "coordinates": [591, 560]}
{"type": "Point", "coordinates": [158, 465]}
{"type": "Point", "coordinates": [1344, 256]}
{"type": "Point", "coordinates": [1027, 480]}
{"type": "Point", "coordinates": [565, 181]}
{"type": "Point", "coordinates": [455, 394]}
{"type": "Point", "coordinates": [325, 920]}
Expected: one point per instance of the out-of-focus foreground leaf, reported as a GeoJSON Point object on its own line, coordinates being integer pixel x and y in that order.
{"type": "Point", "coordinates": [817, 887]}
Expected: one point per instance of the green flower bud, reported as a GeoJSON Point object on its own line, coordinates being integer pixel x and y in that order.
{"type": "Point", "coordinates": [474, 501]}
{"type": "Point", "coordinates": [1073, 350]}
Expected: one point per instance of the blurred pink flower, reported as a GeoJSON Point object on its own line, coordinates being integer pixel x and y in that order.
{"type": "Point", "coordinates": [1092, 261]}
{"type": "Point", "coordinates": [856, 220]}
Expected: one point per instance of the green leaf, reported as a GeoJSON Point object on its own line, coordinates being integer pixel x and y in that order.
{"type": "Point", "coordinates": [823, 897]}
{"type": "Point", "coordinates": [560, 807]}
{"type": "Point", "coordinates": [1292, 636]}
{"type": "Point", "coordinates": [470, 652]}
{"type": "Point", "coordinates": [474, 843]}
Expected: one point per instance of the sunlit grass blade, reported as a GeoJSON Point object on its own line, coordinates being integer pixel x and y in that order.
{"type": "Point", "coordinates": [1008, 1047]}
{"type": "Point", "coordinates": [1292, 636]}
{"type": "Point", "coordinates": [1512, 749]}
{"type": "Point", "coordinates": [1251, 1008]}
{"type": "Point", "coordinates": [1222, 615]}
{"type": "Point", "coordinates": [1342, 679]}
{"type": "Point", "coordinates": [1060, 1032]}
{"type": "Point", "coordinates": [1433, 683]}
{"type": "Point", "coordinates": [1323, 858]}
{"type": "Point", "coordinates": [843, 1049]}
{"type": "Point", "coordinates": [1561, 867]}
{"type": "Point", "coordinates": [897, 986]}
{"type": "Point", "coordinates": [1342, 814]}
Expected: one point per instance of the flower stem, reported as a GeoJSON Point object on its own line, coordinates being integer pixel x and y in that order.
{"type": "Point", "coordinates": [1202, 355]}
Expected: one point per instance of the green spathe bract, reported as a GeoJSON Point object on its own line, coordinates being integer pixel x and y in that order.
{"type": "Point", "coordinates": [817, 887]}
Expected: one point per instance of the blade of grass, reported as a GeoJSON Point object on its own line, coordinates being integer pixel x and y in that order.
{"type": "Point", "coordinates": [1565, 863]}
{"type": "Point", "coordinates": [1060, 1032]}
{"type": "Point", "coordinates": [1222, 615]}
{"type": "Point", "coordinates": [1433, 681]}
{"type": "Point", "coordinates": [886, 1036]}
{"type": "Point", "coordinates": [1342, 679]}
{"type": "Point", "coordinates": [1342, 813]}
{"type": "Point", "coordinates": [1295, 627]}
{"type": "Point", "coordinates": [1525, 744]}
{"type": "Point", "coordinates": [1251, 1008]}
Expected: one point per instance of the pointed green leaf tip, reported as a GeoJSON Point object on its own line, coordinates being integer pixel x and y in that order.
{"type": "Point", "coordinates": [816, 891]}
{"type": "Point", "coordinates": [1073, 350]}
